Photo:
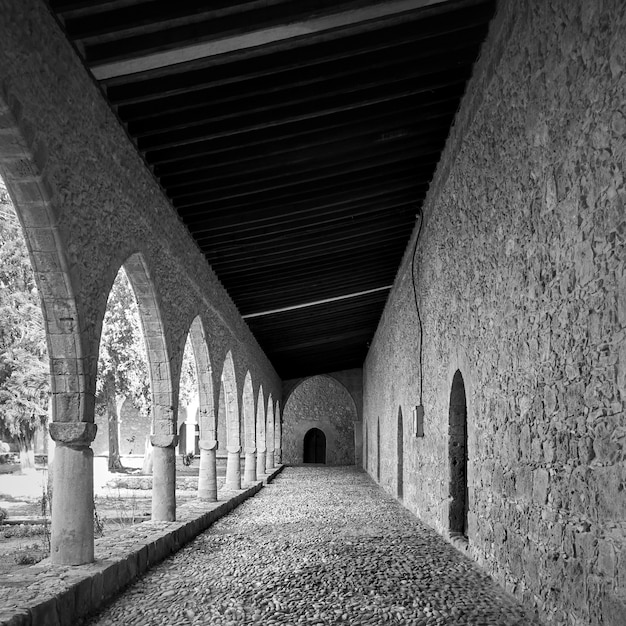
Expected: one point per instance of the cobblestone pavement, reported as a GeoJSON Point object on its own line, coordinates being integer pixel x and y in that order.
{"type": "Point", "coordinates": [317, 546]}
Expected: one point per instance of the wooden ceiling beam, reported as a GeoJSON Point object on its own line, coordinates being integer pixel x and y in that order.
{"type": "Point", "coordinates": [276, 117]}
{"type": "Point", "coordinates": [387, 172]}
{"type": "Point", "coordinates": [257, 142]}
{"type": "Point", "coordinates": [330, 198]}
{"type": "Point", "coordinates": [345, 165]}
{"type": "Point", "coordinates": [224, 70]}
{"type": "Point", "coordinates": [448, 54]}
{"type": "Point", "coordinates": [361, 16]}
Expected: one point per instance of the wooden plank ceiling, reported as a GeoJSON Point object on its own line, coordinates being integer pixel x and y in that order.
{"type": "Point", "coordinates": [295, 138]}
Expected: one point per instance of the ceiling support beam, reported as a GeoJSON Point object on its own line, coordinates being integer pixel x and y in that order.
{"type": "Point", "coordinates": [316, 303]}
{"type": "Point", "coordinates": [257, 38]}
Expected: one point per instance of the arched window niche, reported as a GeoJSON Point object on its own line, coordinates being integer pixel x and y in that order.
{"type": "Point", "coordinates": [458, 458]}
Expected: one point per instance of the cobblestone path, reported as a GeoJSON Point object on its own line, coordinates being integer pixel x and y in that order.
{"type": "Point", "coordinates": [318, 546]}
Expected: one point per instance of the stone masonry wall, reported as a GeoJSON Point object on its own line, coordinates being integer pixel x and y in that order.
{"type": "Point", "coordinates": [88, 203]}
{"type": "Point", "coordinates": [521, 284]}
{"type": "Point", "coordinates": [320, 402]}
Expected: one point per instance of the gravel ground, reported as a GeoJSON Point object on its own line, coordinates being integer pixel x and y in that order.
{"type": "Point", "coordinates": [318, 546]}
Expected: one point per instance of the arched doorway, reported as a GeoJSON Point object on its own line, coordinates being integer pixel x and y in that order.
{"type": "Point", "coordinates": [457, 454]}
{"type": "Point", "coordinates": [378, 450]}
{"type": "Point", "coordinates": [314, 448]}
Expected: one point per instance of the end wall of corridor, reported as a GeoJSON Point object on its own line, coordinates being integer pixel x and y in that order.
{"type": "Point", "coordinates": [520, 279]}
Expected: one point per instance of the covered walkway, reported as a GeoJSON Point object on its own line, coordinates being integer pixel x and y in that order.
{"type": "Point", "coordinates": [318, 546]}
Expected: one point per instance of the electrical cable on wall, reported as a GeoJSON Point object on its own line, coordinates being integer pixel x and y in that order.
{"type": "Point", "coordinates": [417, 308]}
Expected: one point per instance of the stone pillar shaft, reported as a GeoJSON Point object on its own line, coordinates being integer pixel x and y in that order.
{"type": "Point", "coordinates": [260, 462]}
{"type": "Point", "coordinates": [233, 469]}
{"type": "Point", "coordinates": [207, 477]}
{"type": "Point", "coordinates": [249, 472]}
{"type": "Point", "coordinates": [164, 477]}
{"type": "Point", "coordinates": [269, 461]}
{"type": "Point", "coordinates": [71, 541]}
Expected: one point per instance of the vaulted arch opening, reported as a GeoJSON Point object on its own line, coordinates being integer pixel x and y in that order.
{"type": "Point", "coordinates": [229, 404]}
{"type": "Point", "coordinates": [24, 364]}
{"type": "Point", "coordinates": [457, 455]}
{"type": "Point", "coordinates": [314, 446]}
{"type": "Point", "coordinates": [189, 403]}
{"type": "Point", "coordinates": [161, 405]}
{"type": "Point", "coordinates": [206, 419]}
{"type": "Point", "coordinates": [123, 373]}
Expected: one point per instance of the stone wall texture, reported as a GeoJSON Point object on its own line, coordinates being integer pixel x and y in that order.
{"type": "Point", "coordinates": [521, 285]}
{"type": "Point", "coordinates": [320, 402]}
{"type": "Point", "coordinates": [89, 204]}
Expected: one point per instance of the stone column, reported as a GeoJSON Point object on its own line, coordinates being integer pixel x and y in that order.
{"type": "Point", "coordinates": [164, 477]}
{"type": "Point", "coordinates": [249, 471]}
{"type": "Point", "coordinates": [277, 457]}
{"type": "Point", "coordinates": [233, 468]}
{"type": "Point", "coordinates": [269, 460]}
{"type": "Point", "coordinates": [207, 478]}
{"type": "Point", "coordinates": [260, 461]}
{"type": "Point", "coordinates": [71, 541]}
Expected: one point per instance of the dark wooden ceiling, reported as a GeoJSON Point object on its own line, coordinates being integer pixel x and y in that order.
{"type": "Point", "coordinates": [295, 138]}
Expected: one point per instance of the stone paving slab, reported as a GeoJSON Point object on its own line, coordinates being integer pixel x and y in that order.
{"type": "Point", "coordinates": [55, 595]}
{"type": "Point", "coordinates": [319, 546]}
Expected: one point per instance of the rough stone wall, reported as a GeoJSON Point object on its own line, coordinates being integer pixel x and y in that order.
{"type": "Point", "coordinates": [521, 283]}
{"type": "Point", "coordinates": [319, 402]}
{"type": "Point", "coordinates": [97, 204]}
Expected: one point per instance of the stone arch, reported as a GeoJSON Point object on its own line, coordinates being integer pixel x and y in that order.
{"type": "Point", "coordinates": [70, 350]}
{"type": "Point", "coordinates": [163, 415]}
{"type": "Point", "coordinates": [260, 432]}
{"type": "Point", "coordinates": [458, 458]}
{"type": "Point", "coordinates": [206, 412]}
{"type": "Point", "coordinates": [164, 418]}
{"type": "Point", "coordinates": [269, 436]}
{"type": "Point", "coordinates": [207, 473]}
{"type": "Point", "coordinates": [314, 446]}
{"type": "Point", "coordinates": [333, 378]}
{"type": "Point", "coordinates": [249, 429]}
{"type": "Point", "coordinates": [232, 419]}
{"type": "Point", "coordinates": [231, 403]}
{"type": "Point", "coordinates": [324, 403]}
{"type": "Point", "coordinates": [400, 455]}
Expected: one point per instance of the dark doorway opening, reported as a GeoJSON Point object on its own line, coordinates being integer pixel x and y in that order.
{"type": "Point", "coordinates": [457, 453]}
{"type": "Point", "coordinates": [400, 455]}
{"type": "Point", "coordinates": [378, 450]}
{"type": "Point", "coordinates": [314, 446]}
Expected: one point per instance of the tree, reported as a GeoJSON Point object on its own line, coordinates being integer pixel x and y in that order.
{"type": "Point", "coordinates": [24, 365]}
{"type": "Point", "coordinates": [122, 363]}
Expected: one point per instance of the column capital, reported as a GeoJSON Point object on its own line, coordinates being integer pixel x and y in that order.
{"type": "Point", "coordinates": [73, 434]}
{"type": "Point", "coordinates": [164, 441]}
{"type": "Point", "coordinates": [233, 449]}
{"type": "Point", "coordinates": [250, 450]}
{"type": "Point", "coordinates": [208, 444]}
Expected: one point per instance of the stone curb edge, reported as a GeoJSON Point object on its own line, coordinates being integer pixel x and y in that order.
{"type": "Point", "coordinates": [83, 589]}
